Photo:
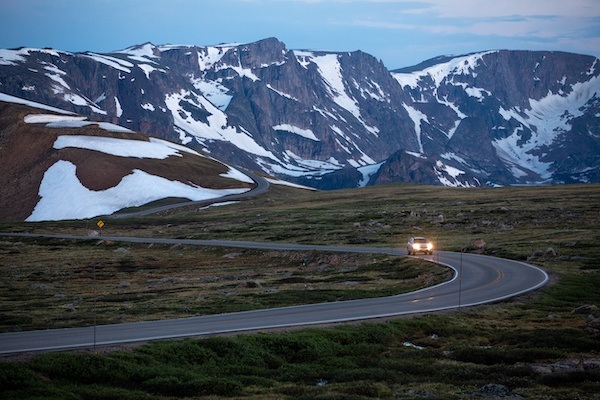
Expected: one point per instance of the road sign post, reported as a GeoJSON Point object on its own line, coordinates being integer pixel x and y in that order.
{"type": "Point", "coordinates": [100, 225]}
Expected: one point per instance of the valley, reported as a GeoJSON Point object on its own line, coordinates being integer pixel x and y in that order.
{"type": "Point", "coordinates": [517, 344]}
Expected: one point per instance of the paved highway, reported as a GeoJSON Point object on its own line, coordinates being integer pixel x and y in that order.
{"type": "Point", "coordinates": [477, 280]}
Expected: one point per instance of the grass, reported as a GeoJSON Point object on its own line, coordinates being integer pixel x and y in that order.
{"type": "Point", "coordinates": [50, 282]}
{"type": "Point", "coordinates": [535, 345]}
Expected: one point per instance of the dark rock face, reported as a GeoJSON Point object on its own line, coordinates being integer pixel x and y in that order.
{"type": "Point", "coordinates": [502, 117]}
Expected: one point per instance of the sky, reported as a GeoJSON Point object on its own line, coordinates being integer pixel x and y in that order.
{"type": "Point", "coordinates": [401, 33]}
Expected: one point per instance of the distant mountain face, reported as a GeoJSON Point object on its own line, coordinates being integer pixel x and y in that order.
{"type": "Point", "coordinates": [333, 120]}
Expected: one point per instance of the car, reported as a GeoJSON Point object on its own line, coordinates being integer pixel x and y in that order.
{"type": "Point", "coordinates": [419, 244]}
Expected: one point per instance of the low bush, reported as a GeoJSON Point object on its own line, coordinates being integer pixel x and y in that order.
{"type": "Point", "coordinates": [16, 376]}
{"type": "Point", "coordinates": [174, 386]}
{"type": "Point", "coordinates": [83, 368]}
{"type": "Point", "coordinates": [491, 356]}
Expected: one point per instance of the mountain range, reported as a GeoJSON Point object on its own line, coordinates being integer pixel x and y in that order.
{"type": "Point", "coordinates": [338, 119]}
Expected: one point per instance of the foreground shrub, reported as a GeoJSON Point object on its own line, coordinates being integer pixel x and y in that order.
{"type": "Point", "coordinates": [82, 368]}
{"type": "Point", "coordinates": [491, 356]}
{"type": "Point", "coordinates": [174, 386]}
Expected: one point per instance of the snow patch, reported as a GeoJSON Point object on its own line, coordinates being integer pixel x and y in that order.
{"type": "Point", "coordinates": [214, 92]}
{"type": "Point", "coordinates": [113, 62]}
{"type": "Point", "coordinates": [64, 197]}
{"type": "Point", "coordinates": [367, 172]}
{"type": "Point", "coordinates": [287, 183]}
{"type": "Point", "coordinates": [448, 175]}
{"type": "Point", "coordinates": [305, 133]}
{"type": "Point", "coordinates": [418, 118]}
{"type": "Point", "coordinates": [148, 69]}
{"type": "Point", "coordinates": [17, 100]}
{"type": "Point", "coordinates": [155, 148]}
{"type": "Point", "coordinates": [61, 121]}
{"type": "Point", "coordinates": [331, 71]}
{"type": "Point", "coordinates": [236, 174]}
{"type": "Point", "coordinates": [217, 127]}
{"type": "Point", "coordinates": [118, 107]}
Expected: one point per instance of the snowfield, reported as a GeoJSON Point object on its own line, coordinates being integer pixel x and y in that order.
{"type": "Point", "coordinates": [64, 197]}
{"type": "Point", "coordinates": [155, 148]}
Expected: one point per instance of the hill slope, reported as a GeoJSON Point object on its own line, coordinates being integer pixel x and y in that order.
{"type": "Point", "coordinates": [58, 165]}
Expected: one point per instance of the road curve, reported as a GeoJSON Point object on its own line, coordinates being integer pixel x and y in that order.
{"type": "Point", "coordinates": [477, 280]}
{"type": "Point", "coordinates": [262, 186]}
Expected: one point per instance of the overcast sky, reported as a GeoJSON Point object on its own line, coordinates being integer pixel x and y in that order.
{"type": "Point", "coordinates": [399, 32]}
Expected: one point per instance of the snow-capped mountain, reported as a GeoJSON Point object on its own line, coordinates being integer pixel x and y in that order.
{"type": "Point", "coordinates": [332, 120]}
{"type": "Point", "coordinates": [57, 165]}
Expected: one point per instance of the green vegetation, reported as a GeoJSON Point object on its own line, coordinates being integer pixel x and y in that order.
{"type": "Point", "coordinates": [542, 345]}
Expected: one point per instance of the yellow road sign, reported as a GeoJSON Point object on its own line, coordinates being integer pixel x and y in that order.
{"type": "Point", "coordinates": [100, 224]}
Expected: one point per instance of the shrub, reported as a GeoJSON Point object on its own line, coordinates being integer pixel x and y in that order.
{"type": "Point", "coordinates": [491, 356]}
{"type": "Point", "coordinates": [15, 376]}
{"type": "Point", "coordinates": [174, 386]}
{"type": "Point", "coordinates": [82, 368]}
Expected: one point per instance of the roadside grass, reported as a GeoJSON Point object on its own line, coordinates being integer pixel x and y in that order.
{"type": "Point", "coordinates": [49, 283]}
{"type": "Point", "coordinates": [541, 345]}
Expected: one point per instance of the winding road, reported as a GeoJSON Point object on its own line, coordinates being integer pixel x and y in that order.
{"type": "Point", "coordinates": [477, 280]}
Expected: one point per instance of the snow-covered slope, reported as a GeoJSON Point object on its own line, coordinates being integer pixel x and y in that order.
{"type": "Point", "coordinates": [331, 120]}
{"type": "Point", "coordinates": [56, 175]}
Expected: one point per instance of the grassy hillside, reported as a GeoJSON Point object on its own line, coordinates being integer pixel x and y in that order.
{"type": "Point", "coordinates": [542, 345]}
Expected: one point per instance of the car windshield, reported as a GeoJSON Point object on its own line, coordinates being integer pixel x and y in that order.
{"type": "Point", "coordinates": [420, 240]}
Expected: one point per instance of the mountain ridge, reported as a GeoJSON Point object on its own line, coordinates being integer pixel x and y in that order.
{"type": "Point", "coordinates": [320, 118]}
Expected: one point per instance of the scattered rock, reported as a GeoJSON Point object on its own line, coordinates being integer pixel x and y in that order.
{"type": "Point", "coordinates": [40, 286]}
{"type": "Point", "coordinates": [569, 365]}
{"type": "Point", "coordinates": [93, 234]}
{"type": "Point", "coordinates": [122, 251]}
{"type": "Point", "coordinates": [232, 255]}
{"type": "Point", "coordinates": [478, 243]}
{"type": "Point", "coordinates": [411, 393]}
{"type": "Point", "coordinates": [253, 285]}
{"type": "Point", "coordinates": [322, 382]}
{"type": "Point", "coordinates": [593, 321]}
{"type": "Point", "coordinates": [439, 219]}
{"type": "Point", "coordinates": [589, 309]}
{"type": "Point", "coordinates": [414, 346]}
{"type": "Point", "coordinates": [494, 391]}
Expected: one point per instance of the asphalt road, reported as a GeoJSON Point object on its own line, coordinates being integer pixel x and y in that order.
{"type": "Point", "coordinates": [477, 280]}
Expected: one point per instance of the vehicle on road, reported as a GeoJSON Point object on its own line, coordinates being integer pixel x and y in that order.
{"type": "Point", "coordinates": [419, 244]}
